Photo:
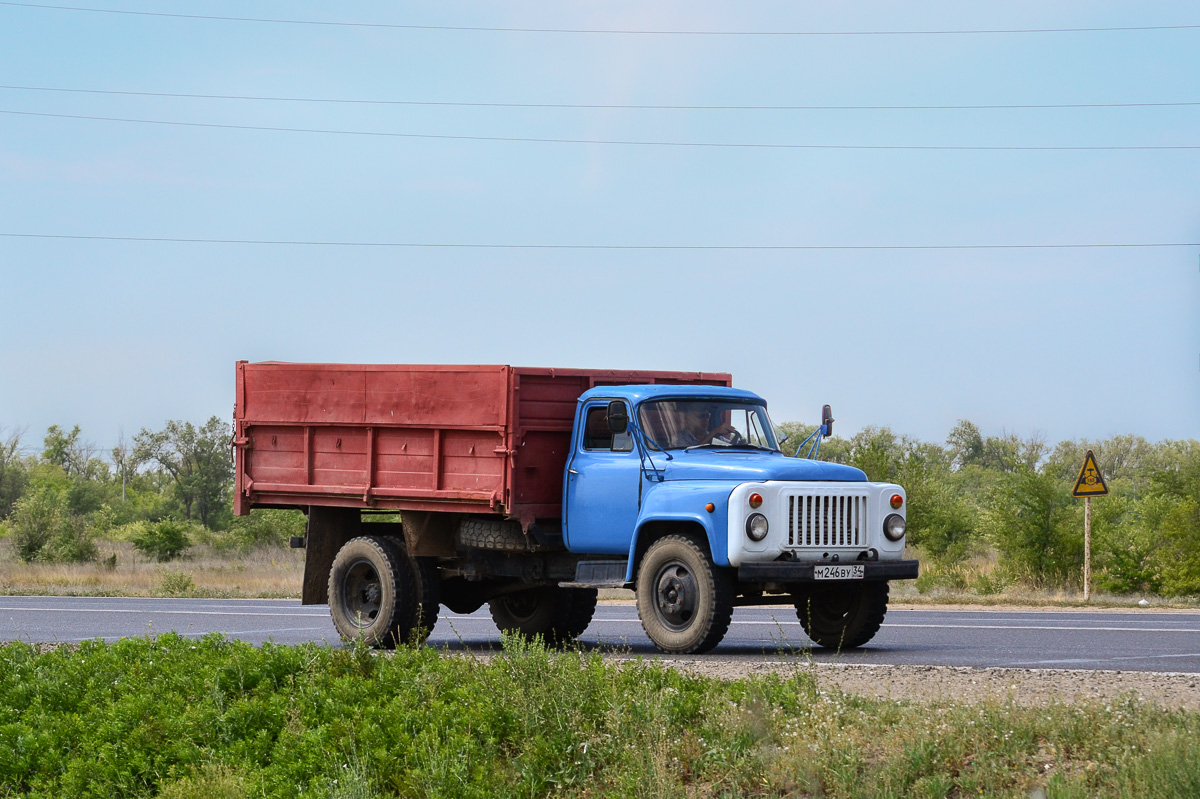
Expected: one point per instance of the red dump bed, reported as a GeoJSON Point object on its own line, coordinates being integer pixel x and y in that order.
{"type": "Point", "coordinates": [476, 439]}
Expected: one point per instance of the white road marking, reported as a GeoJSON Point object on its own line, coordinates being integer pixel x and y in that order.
{"type": "Point", "coordinates": [956, 626]}
{"type": "Point", "coordinates": [166, 612]}
{"type": "Point", "coordinates": [1104, 660]}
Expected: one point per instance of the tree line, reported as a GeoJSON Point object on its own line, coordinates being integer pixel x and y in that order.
{"type": "Point", "coordinates": [163, 491]}
{"type": "Point", "coordinates": [984, 512]}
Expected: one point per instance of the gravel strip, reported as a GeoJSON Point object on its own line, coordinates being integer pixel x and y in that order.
{"type": "Point", "coordinates": [957, 685]}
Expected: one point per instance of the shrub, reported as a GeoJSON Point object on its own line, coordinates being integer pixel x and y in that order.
{"type": "Point", "coordinates": [264, 528]}
{"type": "Point", "coordinates": [176, 583]}
{"type": "Point", "coordinates": [44, 530]}
{"type": "Point", "coordinates": [165, 540]}
{"type": "Point", "coordinates": [1031, 520]}
{"type": "Point", "coordinates": [35, 518]}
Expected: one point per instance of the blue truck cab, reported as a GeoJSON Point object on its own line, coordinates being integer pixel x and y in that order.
{"type": "Point", "coordinates": [682, 494]}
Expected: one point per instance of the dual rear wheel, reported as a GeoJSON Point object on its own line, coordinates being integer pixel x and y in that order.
{"type": "Point", "coordinates": [382, 595]}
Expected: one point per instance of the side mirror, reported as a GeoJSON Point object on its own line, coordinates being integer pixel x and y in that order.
{"type": "Point", "coordinates": [827, 420]}
{"type": "Point", "coordinates": [618, 419]}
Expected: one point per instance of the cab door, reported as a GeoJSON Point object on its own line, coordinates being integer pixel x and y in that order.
{"type": "Point", "coordinates": [601, 497]}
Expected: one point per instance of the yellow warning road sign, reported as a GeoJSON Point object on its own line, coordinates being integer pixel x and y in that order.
{"type": "Point", "coordinates": [1090, 482]}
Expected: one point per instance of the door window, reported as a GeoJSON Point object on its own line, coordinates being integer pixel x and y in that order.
{"type": "Point", "coordinates": [597, 436]}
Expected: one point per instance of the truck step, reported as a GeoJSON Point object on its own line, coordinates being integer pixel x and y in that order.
{"type": "Point", "coordinates": [599, 574]}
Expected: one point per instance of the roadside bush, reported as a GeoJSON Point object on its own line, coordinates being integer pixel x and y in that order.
{"type": "Point", "coordinates": [43, 529]}
{"type": "Point", "coordinates": [264, 528]}
{"type": "Point", "coordinates": [175, 583]}
{"type": "Point", "coordinates": [163, 541]}
{"type": "Point", "coordinates": [1031, 520]}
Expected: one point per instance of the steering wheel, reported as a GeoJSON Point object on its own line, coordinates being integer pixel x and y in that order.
{"type": "Point", "coordinates": [735, 438]}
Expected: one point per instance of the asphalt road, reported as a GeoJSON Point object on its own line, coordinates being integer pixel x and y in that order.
{"type": "Point", "coordinates": [1131, 641]}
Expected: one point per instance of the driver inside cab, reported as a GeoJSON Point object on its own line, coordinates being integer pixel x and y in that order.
{"type": "Point", "coordinates": [696, 430]}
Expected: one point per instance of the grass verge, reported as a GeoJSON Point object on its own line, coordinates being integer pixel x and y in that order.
{"type": "Point", "coordinates": [185, 718]}
{"type": "Point", "coordinates": [266, 573]}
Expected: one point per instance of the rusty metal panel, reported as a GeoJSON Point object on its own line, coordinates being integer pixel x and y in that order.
{"type": "Point", "coordinates": [303, 393]}
{"type": "Point", "coordinates": [467, 396]}
{"type": "Point", "coordinates": [404, 457]}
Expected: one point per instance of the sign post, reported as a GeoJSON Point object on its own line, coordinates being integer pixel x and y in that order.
{"type": "Point", "coordinates": [1090, 483]}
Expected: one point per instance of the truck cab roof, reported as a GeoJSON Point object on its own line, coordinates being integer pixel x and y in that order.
{"type": "Point", "coordinates": [638, 393]}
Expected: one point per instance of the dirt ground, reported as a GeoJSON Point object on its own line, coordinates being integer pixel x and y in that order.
{"type": "Point", "coordinates": [957, 684]}
{"type": "Point", "coordinates": [953, 684]}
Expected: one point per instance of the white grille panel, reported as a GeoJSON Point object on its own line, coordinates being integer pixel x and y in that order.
{"type": "Point", "coordinates": [826, 520]}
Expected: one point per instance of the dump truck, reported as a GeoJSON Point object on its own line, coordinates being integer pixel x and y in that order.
{"type": "Point", "coordinates": [529, 489]}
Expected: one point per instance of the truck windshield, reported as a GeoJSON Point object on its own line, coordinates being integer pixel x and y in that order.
{"type": "Point", "coordinates": [684, 423]}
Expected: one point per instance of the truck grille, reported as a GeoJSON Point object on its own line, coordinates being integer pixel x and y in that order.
{"type": "Point", "coordinates": [826, 520]}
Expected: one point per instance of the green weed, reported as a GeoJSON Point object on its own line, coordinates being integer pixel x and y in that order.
{"type": "Point", "coordinates": [212, 717]}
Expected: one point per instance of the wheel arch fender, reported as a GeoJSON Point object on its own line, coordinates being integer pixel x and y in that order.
{"type": "Point", "coordinates": [681, 510]}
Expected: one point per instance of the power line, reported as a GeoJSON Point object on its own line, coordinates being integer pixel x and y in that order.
{"type": "Point", "coordinates": [626, 142]}
{"type": "Point", "coordinates": [603, 31]}
{"type": "Point", "coordinates": [601, 106]}
{"type": "Point", "coordinates": [688, 247]}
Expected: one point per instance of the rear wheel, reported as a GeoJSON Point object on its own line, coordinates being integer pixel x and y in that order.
{"type": "Point", "coordinates": [556, 615]}
{"type": "Point", "coordinates": [685, 602]}
{"type": "Point", "coordinates": [843, 615]}
{"type": "Point", "coordinates": [372, 592]}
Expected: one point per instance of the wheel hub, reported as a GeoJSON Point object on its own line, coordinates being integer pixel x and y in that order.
{"type": "Point", "coordinates": [363, 593]}
{"type": "Point", "coordinates": [675, 596]}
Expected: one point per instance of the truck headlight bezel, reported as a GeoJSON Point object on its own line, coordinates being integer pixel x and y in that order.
{"type": "Point", "coordinates": [894, 527]}
{"type": "Point", "coordinates": [757, 527]}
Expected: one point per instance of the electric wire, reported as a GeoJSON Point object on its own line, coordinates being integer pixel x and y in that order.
{"type": "Point", "coordinates": [685, 247]}
{"type": "Point", "coordinates": [623, 142]}
{"type": "Point", "coordinates": [601, 31]}
{"type": "Point", "coordinates": [602, 106]}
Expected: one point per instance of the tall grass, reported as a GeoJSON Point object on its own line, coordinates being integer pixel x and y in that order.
{"type": "Point", "coordinates": [183, 718]}
{"type": "Point", "coordinates": [121, 570]}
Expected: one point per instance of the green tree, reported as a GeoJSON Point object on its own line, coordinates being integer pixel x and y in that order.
{"type": "Point", "coordinates": [967, 446]}
{"type": "Point", "coordinates": [44, 529]}
{"type": "Point", "coordinates": [197, 459]}
{"type": "Point", "coordinates": [1174, 488]}
{"type": "Point", "coordinates": [14, 476]}
{"type": "Point", "coordinates": [1031, 520]}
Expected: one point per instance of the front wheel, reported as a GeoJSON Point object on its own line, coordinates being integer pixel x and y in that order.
{"type": "Point", "coordinates": [554, 614]}
{"type": "Point", "coordinates": [685, 602]}
{"type": "Point", "coordinates": [842, 615]}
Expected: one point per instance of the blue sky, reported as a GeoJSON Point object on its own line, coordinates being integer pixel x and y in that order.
{"type": "Point", "coordinates": [1069, 342]}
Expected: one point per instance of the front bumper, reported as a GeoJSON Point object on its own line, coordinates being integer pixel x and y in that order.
{"type": "Point", "coordinates": [800, 572]}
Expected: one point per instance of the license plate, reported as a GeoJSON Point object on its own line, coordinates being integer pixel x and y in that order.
{"type": "Point", "coordinates": [847, 571]}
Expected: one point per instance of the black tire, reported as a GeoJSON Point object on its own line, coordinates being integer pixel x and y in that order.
{"type": "Point", "coordinates": [493, 534]}
{"type": "Point", "coordinates": [843, 615]}
{"type": "Point", "coordinates": [428, 590]}
{"type": "Point", "coordinates": [556, 615]}
{"type": "Point", "coordinates": [372, 592]}
{"type": "Point", "coordinates": [685, 601]}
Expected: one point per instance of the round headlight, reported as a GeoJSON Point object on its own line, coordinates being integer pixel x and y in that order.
{"type": "Point", "coordinates": [894, 527]}
{"type": "Point", "coordinates": [756, 527]}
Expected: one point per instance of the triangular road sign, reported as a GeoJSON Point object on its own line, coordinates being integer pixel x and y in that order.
{"type": "Point", "coordinates": [1090, 482]}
